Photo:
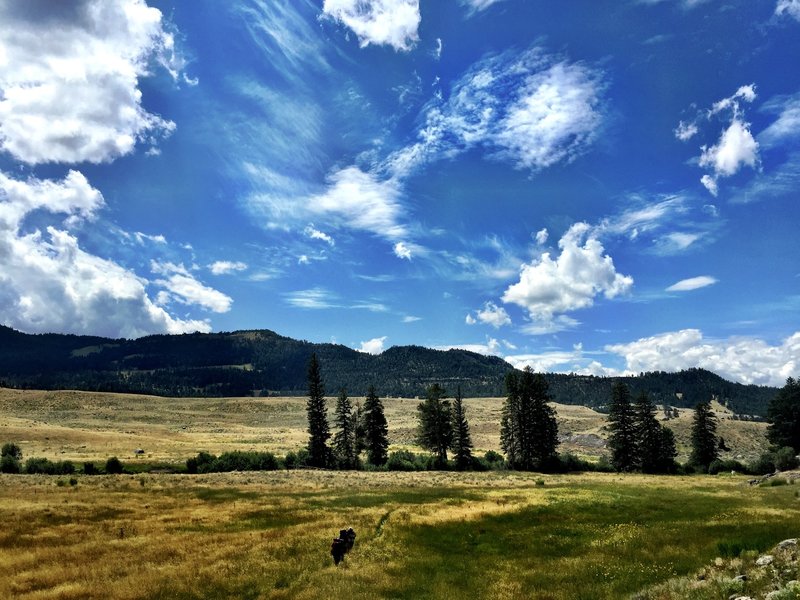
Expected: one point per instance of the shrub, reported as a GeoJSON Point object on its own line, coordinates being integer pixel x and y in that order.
{"type": "Point", "coordinates": [403, 460]}
{"type": "Point", "coordinates": [12, 450]}
{"type": "Point", "coordinates": [9, 464]}
{"type": "Point", "coordinates": [89, 468]}
{"type": "Point", "coordinates": [43, 466]}
{"type": "Point", "coordinates": [725, 466]}
{"type": "Point", "coordinates": [114, 466]}
{"type": "Point", "coordinates": [785, 459]}
{"type": "Point", "coordinates": [568, 462]}
{"type": "Point", "coordinates": [201, 463]}
{"type": "Point", "coordinates": [495, 460]}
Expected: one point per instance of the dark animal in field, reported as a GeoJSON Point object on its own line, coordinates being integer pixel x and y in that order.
{"type": "Point", "coordinates": [343, 544]}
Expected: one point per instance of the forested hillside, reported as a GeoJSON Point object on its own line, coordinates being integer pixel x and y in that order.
{"type": "Point", "coordinates": [262, 362]}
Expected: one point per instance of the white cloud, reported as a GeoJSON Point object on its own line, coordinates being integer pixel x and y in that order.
{"type": "Point", "coordinates": [470, 320]}
{"type": "Point", "coordinates": [710, 183]}
{"type": "Point", "coordinates": [550, 326]}
{"type": "Point", "coordinates": [224, 267]}
{"type": "Point", "coordinates": [411, 319]}
{"type": "Point", "coordinates": [788, 7]}
{"type": "Point", "coordinates": [373, 346]}
{"type": "Point", "coordinates": [554, 118]}
{"type": "Point", "coordinates": [541, 236]}
{"type": "Point", "coordinates": [524, 107]}
{"type": "Point", "coordinates": [570, 282]}
{"type": "Point", "coordinates": [736, 148]}
{"type": "Point", "coordinates": [562, 361]}
{"type": "Point", "coordinates": [746, 360]}
{"type": "Point", "coordinates": [48, 283]}
{"type": "Point", "coordinates": [685, 131]}
{"type": "Point", "coordinates": [478, 5]}
{"type": "Point", "coordinates": [401, 250]}
{"type": "Point", "coordinates": [490, 314]}
{"type": "Point", "coordinates": [490, 348]}
{"type": "Point", "coordinates": [91, 52]}
{"type": "Point", "coordinates": [315, 299]}
{"type": "Point", "coordinates": [693, 283]}
{"type": "Point", "coordinates": [316, 234]}
{"type": "Point", "coordinates": [186, 289]}
{"type": "Point", "coordinates": [382, 22]}
{"type": "Point", "coordinates": [787, 125]}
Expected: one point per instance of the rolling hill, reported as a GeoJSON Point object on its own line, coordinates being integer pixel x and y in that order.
{"type": "Point", "coordinates": [262, 362]}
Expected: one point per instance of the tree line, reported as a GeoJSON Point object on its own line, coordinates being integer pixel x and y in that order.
{"type": "Point", "coordinates": [637, 441]}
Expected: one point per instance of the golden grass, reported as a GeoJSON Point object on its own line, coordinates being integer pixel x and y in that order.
{"type": "Point", "coordinates": [87, 426]}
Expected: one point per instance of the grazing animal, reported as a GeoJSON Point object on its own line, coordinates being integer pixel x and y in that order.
{"type": "Point", "coordinates": [343, 544]}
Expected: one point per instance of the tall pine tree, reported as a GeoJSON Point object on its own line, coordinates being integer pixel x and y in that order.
{"type": "Point", "coordinates": [358, 429]}
{"type": "Point", "coordinates": [783, 414]}
{"type": "Point", "coordinates": [623, 429]}
{"type": "Point", "coordinates": [435, 429]}
{"type": "Point", "coordinates": [376, 431]}
{"type": "Point", "coordinates": [319, 455]}
{"type": "Point", "coordinates": [648, 434]}
{"type": "Point", "coordinates": [344, 440]}
{"type": "Point", "coordinates": [461, 444]}
{"type": "Point", "coordinates": [528, 428]}
{"type": "Point", "coordinates": [704, 437]}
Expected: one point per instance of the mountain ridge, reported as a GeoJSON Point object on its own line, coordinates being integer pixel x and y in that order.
{"type": "Point", "coordinates": [263, 362]}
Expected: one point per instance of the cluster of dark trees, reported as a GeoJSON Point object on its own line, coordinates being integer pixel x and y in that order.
{"type": "Point", "coordinates": [11, 462]}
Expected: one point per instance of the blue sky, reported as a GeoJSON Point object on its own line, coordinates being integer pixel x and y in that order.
{"type": "Point", "coordinates": [593, 186]}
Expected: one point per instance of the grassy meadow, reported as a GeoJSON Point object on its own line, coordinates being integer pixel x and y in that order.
{"type": "Point", "coordinates": [420, 535]}
{"type": "Point", "coordinates": [431, 535]}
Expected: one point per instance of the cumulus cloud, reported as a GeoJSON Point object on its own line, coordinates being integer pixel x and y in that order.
{"type": "Point", "coordinates": [788, 7]}
{"type": "Point", "coordinates": [490, 314]}
{"type": "Point", "coordinates": [183, 287]}
{"type": "Point", "coordinates": [746, 360]}
{"type": "Point", "coordinates": [541, 237]}
{"type": "Point", "coordinates": [736, 147]}
{"type": "Point", "coordinates": [693, 283]}
{"type": "Point", "coordinates": [401, 250]}
{"type": "Point", "coordinates": [373, 346]}
{"type": "Point", "coordinates": [225, 267]}
{"type": "Point", "coordinates": [686, 131]}
{"type": "Point", "coordinates": [524, 107]}
{"type": "Point", "coordinates": [582, 271]}
{"type": "Point", "coordinates": [381, 22]}
{"type": "Point", "coordinates": [91, 52]}
{"type": "Point", "coordinates": [49, 283]}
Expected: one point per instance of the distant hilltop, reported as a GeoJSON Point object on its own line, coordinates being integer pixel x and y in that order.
{"type": "Point", "coordinates": [262, 362]}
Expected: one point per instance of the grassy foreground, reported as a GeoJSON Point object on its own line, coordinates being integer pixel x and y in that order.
{"type": "Point", "coordinates": [420, 535]}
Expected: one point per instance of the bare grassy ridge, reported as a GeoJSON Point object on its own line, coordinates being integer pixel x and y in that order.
{"type": "Point", "coordinates": [81, 426]}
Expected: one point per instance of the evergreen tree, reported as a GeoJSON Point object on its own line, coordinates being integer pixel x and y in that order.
{"type": "Point", "coordinates": [666, 451]}
{"type": "Point", "coordinates": [360, 432]}
{"type": "Point", "coordinates": [344, 441]}
{"type": "Point", "coordinates": [319, 455]}
{"type": "Point", "coordinates": [623, 431]}
{"type": "Point", "coordinates": [783, 415]}
{"type": "Point", "coordinates": [509, 421]}
{"type": "Point", "coordinates": [376, 431]}
{"type": "Point", "coordinates": [461, 444]}
{"type": "Point", "coordinates": [704, 436]}
{"type": "Point", "coordinates": [528, 428]}
{"type": "Point", "coordinates": [435, 430]}
{"type": "Point", "coordinates": [648, 435]}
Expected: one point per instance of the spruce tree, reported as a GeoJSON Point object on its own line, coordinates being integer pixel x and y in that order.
{"type": "Point", "coordinates": [666, 451]}
{"type": "Point", "coordinates": [376, 431]}
{"type": "Point", "coordinates": [344, 442]}
{"type": "Point", "coordinates": [704, 436]}
{"type": "Point", "coordinates": [359, 430]}
{"type": "Point", "coordinates": [461, 444]}
{"type": "Point", "coordinates": [435, 430]}
{"type": "Point", "coordinates": [528, 428]}
{"type": "Point", "coordinates": [783, 415]}
{"type": "Point", "coordinates": [509, 421]}
{"type": "Point", "coordinates": [623, 432]}
{"type": "Point", "coordinates": [648, 435]}
{"type": "Point", "coordinates": [319, 455]}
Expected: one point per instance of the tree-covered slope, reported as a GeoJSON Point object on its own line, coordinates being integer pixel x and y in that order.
{"type": "Point", "coordinates": [262, 362]}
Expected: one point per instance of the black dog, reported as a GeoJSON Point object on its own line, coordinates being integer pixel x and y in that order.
{"type": "Point", "coordinates": [343, 544]}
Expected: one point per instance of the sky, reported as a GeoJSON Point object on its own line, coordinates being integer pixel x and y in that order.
{"type": "Point", "coordinates": [592, 186]}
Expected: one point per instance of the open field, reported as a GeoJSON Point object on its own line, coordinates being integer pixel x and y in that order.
{"type": "Point", "coordinates": [82, 426]}
{"type": "Point", "coordinates": [420, 535]}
